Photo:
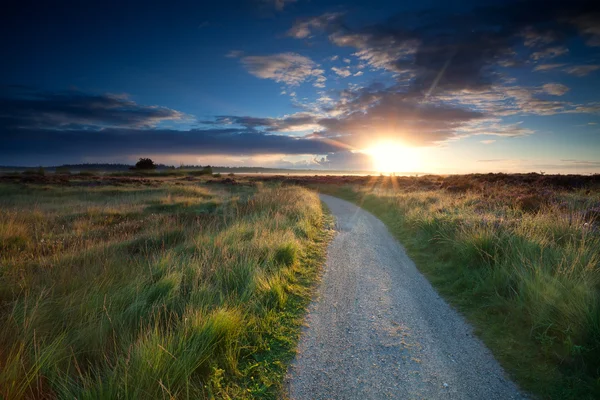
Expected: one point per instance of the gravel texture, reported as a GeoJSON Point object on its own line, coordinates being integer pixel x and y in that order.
{"type": "Point", "coordinates": [378, 330]}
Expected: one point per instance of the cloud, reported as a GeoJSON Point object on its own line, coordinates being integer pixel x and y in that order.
{"type": "Point", "coordinates": [555, 89]}
{"type": "Point", "coordinates": [436, 51]}
{"type": "Point", "coordinates": [488, 141]}
{"type": "Point", "coordinates": [367, 116]}
{"type": "Point", "coordinates": [547, 67]}
{"type": "Point", "coordinates": [343, 72]}
{"type": "Point", "coordinates": [73, 109]}
{"type": "Point", "coordinates": [550, 52]}
{"type": "Point", "coordinates": [234, 54]}
{"type": "Point", "coordinates": [279, 5]}
{"type": "Point", "coordinates": [377, 113]}
{"type": "Point", "coordinates": [31, 144]}
{"type": "Point", "coordinates": [298, 122]}
{"type": "Point", "coordinates": [303, 28]}
{"type": "Point", "coordinates": [535, 38]}
{"type": "Point", "coordinates": [581, 70]}
{"type": "Point", "coordinates": [589, 26]}
{"type": "Point", "coordinates": [381, 51]}
{"type": "Point", "coordinates": [353, 160]}
{"type": "Point", "coordinates": [37, 126]}
{"type": "Point", "coordinates": [289, 68]}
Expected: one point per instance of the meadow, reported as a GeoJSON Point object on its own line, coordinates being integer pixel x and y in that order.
{"type": "Point", "coordinates": [169, 286]}
{"type": "Point", "coordinates": [152, 288]}
{"type": "Point", "coordinates": [519, 256]}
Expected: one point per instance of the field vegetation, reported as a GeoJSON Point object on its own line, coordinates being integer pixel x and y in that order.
{"type": "Point", "coordinates": [152, 288]}
{"type": "Point", "coordinates": [518, 255]}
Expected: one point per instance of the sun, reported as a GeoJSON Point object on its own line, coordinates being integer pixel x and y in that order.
{"type": "Point", "coordinates": [391, 157]}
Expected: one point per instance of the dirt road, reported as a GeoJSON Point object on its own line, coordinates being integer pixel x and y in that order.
{"type": "Point", "coordinates": [378, 330]}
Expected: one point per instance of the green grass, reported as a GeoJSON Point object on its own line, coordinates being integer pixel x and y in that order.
{"type": "Point", "coordinates": [527, 277]}
{"type": "Point", "coordinates": [176, 290]}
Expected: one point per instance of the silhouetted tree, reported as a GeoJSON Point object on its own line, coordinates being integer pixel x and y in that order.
{"type": "Point", "coordinates": [145, 163]}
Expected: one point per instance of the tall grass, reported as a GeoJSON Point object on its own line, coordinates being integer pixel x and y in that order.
{"type": "Point", "coordinates": [173, 291]}
{"type": "Point", "coordinates": [525, 270]}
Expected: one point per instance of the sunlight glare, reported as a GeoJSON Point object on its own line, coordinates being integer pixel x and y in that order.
{"type": "Point", "coordinates": [392, 157]}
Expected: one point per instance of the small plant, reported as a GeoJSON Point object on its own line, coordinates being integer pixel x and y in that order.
{"type": "Point", "coordinates": [217, 175]}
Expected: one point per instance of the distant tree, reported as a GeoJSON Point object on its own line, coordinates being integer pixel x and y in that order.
{"type": "Point", "coordinates": [145, 163]}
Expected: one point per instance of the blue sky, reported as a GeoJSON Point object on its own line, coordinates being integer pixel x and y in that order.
{"type": "Point", "coordinates": [452, 87]}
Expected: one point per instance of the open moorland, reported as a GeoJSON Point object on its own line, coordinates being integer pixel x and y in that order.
{"type": "Point", "coordinates": [195, 286]}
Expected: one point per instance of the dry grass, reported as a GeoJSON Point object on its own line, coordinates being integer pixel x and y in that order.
{"type": "Point", "coordinates": [521, 261]}
{"type": "Point", "coordinates": [167, 290]}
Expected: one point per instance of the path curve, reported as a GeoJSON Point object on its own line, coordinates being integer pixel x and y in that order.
{"type": "Point", "coordinates": [378, 330]}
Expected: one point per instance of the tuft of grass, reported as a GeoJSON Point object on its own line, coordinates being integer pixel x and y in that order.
{"type": "Point", "coordinates": [172, 290]}
{"type": "Point", "coordinates": [524, 269]}
{"type": "Point", "coordinates": [286, 254]}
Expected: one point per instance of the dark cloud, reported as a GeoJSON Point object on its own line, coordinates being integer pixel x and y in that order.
{"type": "Point", "coordinates": [75, 126]}
{"type": "Point", "coordinates": [27, 108]}
{"type": "Point", "coordinates": [454, 51]}
{"type": "Point", "coordinates": [292, 123]}
{"type": "Point", "coordinates": [368, 115]}
{"type": "Point", "coordinates": [28, 144]}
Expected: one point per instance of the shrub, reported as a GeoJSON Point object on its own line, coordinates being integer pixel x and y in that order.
{"type": "Point", "coordinates": [145, 163]}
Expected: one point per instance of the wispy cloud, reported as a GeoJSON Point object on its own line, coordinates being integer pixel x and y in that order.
{"type": "Point", "coordinates": [582, 70]}
{"type": "Point", "coordinates": [550, 52]}
{"type": "Point", "coordinates": [343, 72]}
{"type": "Point", "coordinates": [555, 89]}
{"type": "Point", "coordinates": [547, 67]}
{"type": "Point", "coordinates": [289, 68]}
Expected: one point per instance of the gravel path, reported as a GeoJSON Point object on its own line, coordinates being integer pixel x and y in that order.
{"type": "Point", "coordinates": [378, 330]}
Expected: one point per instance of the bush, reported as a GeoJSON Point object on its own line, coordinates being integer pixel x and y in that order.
{"type": "Point", "coordinates": [145, 163]}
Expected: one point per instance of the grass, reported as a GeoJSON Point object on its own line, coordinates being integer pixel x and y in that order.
{"type": "Point", "coordinates": [523, 266]}
{"type": "Point", "coordinates": [170, 290]}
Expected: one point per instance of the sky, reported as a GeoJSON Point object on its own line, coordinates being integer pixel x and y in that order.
{"type": "Point", "coordinates": [429, 86]}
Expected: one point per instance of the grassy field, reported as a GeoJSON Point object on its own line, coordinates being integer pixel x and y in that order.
{"type": "Point", "coordinates": [520, 260]}
{"type": "Point", "coordinates": [154, 288]}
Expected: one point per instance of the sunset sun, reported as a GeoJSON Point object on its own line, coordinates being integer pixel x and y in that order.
{"type": "Point", "coordinates": [391, 157]}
